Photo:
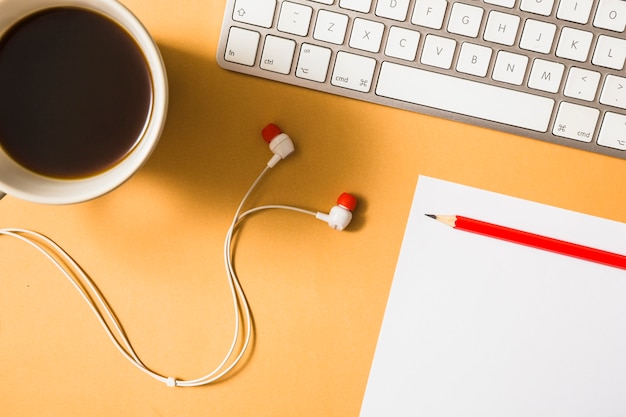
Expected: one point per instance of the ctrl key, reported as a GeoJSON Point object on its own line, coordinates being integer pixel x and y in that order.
{"type": "Point", "coordinates": [576, 122]}
{"type": "Point", "coordinates": [613, 131]}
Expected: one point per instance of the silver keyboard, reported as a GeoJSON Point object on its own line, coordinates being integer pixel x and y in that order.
{"type": "Point", "coordinates": [547, 69]}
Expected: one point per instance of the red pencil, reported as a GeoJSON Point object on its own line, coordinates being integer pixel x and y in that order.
{"type": "Point", "coordinates": [533, 240]}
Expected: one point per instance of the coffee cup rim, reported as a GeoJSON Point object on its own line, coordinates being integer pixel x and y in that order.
{"type": "Point", "coordinates": [24, 184]}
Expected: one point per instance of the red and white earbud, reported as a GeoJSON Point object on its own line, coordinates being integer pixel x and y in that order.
{"type": "Point", "coordinates": [281, 145]}
{"type": "Point", "coordinates": [340, 215]}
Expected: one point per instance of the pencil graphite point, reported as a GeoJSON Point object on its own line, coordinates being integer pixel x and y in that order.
{"type": "Point", "coordinates": [448, 220]}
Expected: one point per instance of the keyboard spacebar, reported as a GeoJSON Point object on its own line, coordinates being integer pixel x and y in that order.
{"type": "Point", "coordinates": [464, 97]}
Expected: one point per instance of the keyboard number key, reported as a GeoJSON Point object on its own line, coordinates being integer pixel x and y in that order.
{"type": "Point", "coordinates": [613, 131]}
{"type": "Point", "coordinates": [354, 72]}
{"type": "Point", "coordinates": [576, 122]}
{"type": "Point", "coordinates": [313, 62]}
{"type": "Point", "coordinates": [242, 46]}
{"type": "Point", "coordinates": [255, 12]}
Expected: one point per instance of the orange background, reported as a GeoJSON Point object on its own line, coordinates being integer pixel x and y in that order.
{"type": "Point", "coordinates": [154, 246]}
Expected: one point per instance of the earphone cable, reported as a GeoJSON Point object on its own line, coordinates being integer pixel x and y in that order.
{"type": "Point", "coordinates": [112, 326]}
{"type": "Point", "coordinates": [282, 146]}
{"type": "Point", "coordinates": [240, 303]}
{"type": "Point", "coordinates": [70, 272]}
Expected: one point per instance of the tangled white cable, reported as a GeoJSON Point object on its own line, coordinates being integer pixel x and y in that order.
{"type": "Point", "coordinates": [338, 219]}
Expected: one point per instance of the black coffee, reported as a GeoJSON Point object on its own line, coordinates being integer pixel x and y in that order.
{"type": "Point", "coordinates": [75, 93]}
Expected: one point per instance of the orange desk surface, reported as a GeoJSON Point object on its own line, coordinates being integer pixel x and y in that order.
{"type": "Point", "coordinates": [154, 246]}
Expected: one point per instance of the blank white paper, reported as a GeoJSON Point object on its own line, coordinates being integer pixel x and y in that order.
{"type": "Point", "coordinates": [476, 326]}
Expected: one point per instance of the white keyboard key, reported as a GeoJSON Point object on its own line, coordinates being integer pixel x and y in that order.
{"type": "Point", "coordinates": [611, 15]}
{"type": "Point", "coordinates": [610, 52]}
{"type": "Point", "coordinates": [366, 35]}
{"type": "Point", "coordinates": [465, 19]}
{"type": "Point", "coordinates": [510, 68]}
{"type": "Point", "coordinates": [429, 13]}
{"type": "Point", "coordinates": [402, 43]}
{"type": "Point", "coordinates": [576, 122]}
{"type": "Point", "coordinates": [330, 27]}
{"type": "Point", "coordinates": [356, 5]}
{"type": "Point", "coordinates": [438, 52]}
{"type": "Point", "coordinates": [582, 84]}
{"type": "Point", "coordinates": [474, 59]}
{"type": "Point", "coordinates": [354, 72]}
{"type": "Point", "coordinates": [574, 10]}
{"type": "Point", "coordinates": [294, 18]}
{"type": "Point", "coordinates": [504, 3]}
{"type": "Point", "coordinates": [392, 9]}
{"type": "Point", "coordinates": [502, 28]}
{"type": "Point", "coordinates": [546, 75]}
{"type": "Point", "coordinates": [556, 67]}
{"type": "Point", "coordinates": [538, 36]}
{"type": "Point", "coordinates": [313, 62]}
{"type": "Point", "coordinates": [242, 46]}
{"type": "Point", "coordinates": [255, 12]}
{"type": "Point", "coordinates": [574, 44]}
{"type": "Point", "coordinates": [443, 92]}
{"type": "Point", "coordinates": [277, 54]}
{"type": "Point", "coordinates": [542, 7]}
{"type": "Point", "coordinates": [614, 92]}
{"type": "Point", "coordinates": [613, 131]}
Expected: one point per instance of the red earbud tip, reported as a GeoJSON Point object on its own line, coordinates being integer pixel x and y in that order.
{"type": "Point", "coordinates": [347, 200]}
{"type": "Point", "coordinates": [270, 131]}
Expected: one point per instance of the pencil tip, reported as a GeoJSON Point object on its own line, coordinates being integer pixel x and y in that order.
{"type": "Point", "coordinates": [432, 216]}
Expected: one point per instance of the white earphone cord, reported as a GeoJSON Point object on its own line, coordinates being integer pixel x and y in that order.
{"type": "Point", "coordinates": [105, 315]}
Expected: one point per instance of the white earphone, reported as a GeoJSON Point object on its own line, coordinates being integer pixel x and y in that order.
{"type": "Point", "coordinates": [281, 146]}
{"type": "Point", "coordinates": [340, 216]}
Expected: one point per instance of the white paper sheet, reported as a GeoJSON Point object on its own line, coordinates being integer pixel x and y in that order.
{"type": "Point", "coordinates": [476, 326]}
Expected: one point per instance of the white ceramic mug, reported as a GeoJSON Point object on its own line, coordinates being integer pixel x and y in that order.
{"type": "Point", "coordinates": [17, 181]}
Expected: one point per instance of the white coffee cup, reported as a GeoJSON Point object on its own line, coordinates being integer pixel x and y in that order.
{"type": "Point", "coordinates": [17, 181]}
